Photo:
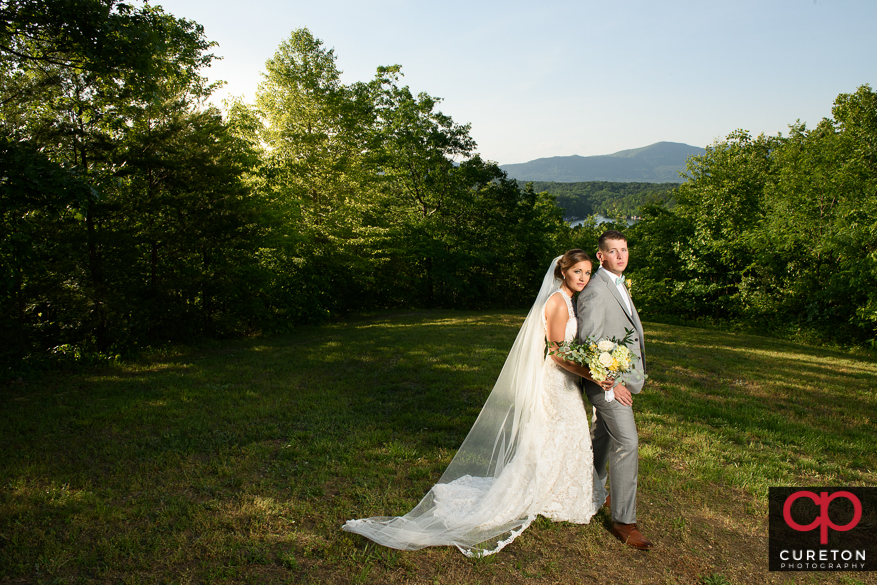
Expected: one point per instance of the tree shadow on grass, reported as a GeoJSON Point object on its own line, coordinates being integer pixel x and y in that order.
{"type": "Point", "coordinates": [801, 403]}
{"type": "Point", "coordinates": [236, 443]}
{"type": "Point", "coordinates": [418, 380]}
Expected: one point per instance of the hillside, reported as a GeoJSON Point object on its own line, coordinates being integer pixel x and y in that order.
{"type": "Point", "coordinates": [581, 199]}
{"type": "Point", "coordinates": [657, 163]}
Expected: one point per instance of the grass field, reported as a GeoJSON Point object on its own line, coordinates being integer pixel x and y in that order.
{"type": "Point", "coordinates": [238, 462]}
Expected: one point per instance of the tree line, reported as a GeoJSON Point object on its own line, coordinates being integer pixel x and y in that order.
{"type": "Point", "coordinates": [777, 233]}
{"type": "Point", "coordinates": [134, 213]}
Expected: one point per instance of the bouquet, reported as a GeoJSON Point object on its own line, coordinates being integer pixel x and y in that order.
{"type": "Point", "coordinates": [606, 358]}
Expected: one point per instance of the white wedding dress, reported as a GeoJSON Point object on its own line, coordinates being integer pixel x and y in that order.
{"type": "Point", "coordinates": [529, 453]}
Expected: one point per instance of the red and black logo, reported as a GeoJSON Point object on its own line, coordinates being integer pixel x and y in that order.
{"type": "Point", "coordinates": [823, 529]}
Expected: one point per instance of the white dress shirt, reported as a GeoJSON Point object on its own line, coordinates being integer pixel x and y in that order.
{"type": "Point", "coordinates": [622, 290]}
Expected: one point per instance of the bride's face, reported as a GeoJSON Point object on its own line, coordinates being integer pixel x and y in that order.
{"type": "Point", "coordinates": [577, 276]}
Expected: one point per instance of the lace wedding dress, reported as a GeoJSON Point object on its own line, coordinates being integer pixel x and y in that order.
{"type": "Point", "coordinates": [528, 453]}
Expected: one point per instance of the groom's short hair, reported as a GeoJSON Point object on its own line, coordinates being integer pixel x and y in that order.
{"type": "Point", "coordinates": [609, 235]}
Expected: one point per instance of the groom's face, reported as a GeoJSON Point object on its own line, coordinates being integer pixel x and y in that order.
{"type": "Point", "coordinates": [614, 256]}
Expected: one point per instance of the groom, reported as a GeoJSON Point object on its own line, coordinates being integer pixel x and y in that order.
{"type": "Point", "coordinates": [605, 309]}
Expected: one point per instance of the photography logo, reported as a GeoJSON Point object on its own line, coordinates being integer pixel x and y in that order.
{"type": "Point", "coordinates": [823, 529]}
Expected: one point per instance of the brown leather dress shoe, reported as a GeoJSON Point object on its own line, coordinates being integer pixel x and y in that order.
{"type": "Point", "coordinates": [608, 502]}
{"type": "Point", "coordinates": [630, 535]}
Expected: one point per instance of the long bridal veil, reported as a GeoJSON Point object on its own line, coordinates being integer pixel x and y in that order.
{"type": "Point", "coordinates": [469, 506]}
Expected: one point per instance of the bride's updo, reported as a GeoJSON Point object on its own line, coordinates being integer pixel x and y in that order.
{"type": "Point", "coordinates": [570, 258]}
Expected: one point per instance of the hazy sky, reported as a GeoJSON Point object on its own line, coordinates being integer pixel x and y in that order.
{"type": "Point", "coordinates": [557, 78]}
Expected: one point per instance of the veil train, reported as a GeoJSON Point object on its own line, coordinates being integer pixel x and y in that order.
{"type": "Point", "coordinates": [478, 503]}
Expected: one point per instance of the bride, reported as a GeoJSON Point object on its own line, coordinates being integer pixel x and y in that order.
{"type": "Point", "coordinates": [529, 451]}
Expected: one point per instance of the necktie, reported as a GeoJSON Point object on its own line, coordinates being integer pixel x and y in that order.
{"type": "Point", "coordinates": [619, 280]}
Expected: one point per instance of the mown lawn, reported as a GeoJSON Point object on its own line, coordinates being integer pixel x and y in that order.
{"type": "Point", "coordinates": [238, 462]}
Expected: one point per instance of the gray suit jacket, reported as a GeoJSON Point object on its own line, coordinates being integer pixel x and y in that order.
{"type": "Point", "coordinates": [602, 313]}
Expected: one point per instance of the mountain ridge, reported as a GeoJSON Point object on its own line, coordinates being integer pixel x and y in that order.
{"type": "Point", "coordinates": [660, 162]}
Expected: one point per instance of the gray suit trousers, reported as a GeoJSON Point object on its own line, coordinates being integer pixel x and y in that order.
{"type": "Point", "coordinates": [615, 444]}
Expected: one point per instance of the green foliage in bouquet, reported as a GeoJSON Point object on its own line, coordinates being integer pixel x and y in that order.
{"type": "Point", "coordinates": [606, 358]}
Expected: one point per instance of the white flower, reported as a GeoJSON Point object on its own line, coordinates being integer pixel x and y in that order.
{"type": "Point", "coordinates": [606, 359]}
{"type": "Point", "coordinates": [606, 345]}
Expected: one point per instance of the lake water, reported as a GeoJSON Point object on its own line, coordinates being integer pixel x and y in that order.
{"type": "Point", "coordinates": [600, 220]}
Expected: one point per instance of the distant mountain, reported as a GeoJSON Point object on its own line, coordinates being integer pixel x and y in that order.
{"type": "Point", "coordinates": [656, 163]}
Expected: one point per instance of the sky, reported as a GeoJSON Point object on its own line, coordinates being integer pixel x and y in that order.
{"type": "Point", "coordinates": [558, 78]}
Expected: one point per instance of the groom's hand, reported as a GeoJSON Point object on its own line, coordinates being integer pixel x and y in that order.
{"type": "Point", "coordinates": [623, 395]}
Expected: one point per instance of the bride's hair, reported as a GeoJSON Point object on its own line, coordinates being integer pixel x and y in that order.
{"type": "Point", "coordinates": [570, 258]}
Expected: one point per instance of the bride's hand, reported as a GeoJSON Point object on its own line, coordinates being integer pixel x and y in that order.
{"type": "Point", "coordinates": [607, 384]}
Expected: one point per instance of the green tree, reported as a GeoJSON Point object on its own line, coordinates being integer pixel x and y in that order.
{"type": "Point", "coordinates": [455, 223]}
{"type": "Point", "coordinates": [92, 81]}
{"type": "Point", "coordinates": [37, 198]}
{"type": "Point", "coordinates": [856, 115]}
{"type": "Point", "coordinates": [775, 233]}
{"type": "Point", "coordinates": [318, 132]}
{"type": "Point", "coordinates": [821, 220]}
{"type": "Point", "coordinates": [723, 199]}
{"type": "Point", "coordinates": [659, 269]}
{"type": "Point", "coordinates": [188, 228]}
